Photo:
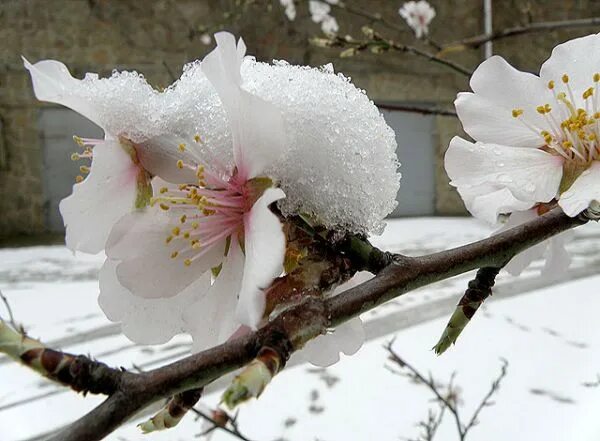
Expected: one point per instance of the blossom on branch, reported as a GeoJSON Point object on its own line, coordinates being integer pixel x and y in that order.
{"type": "Point", "coordinates": [210, 243]}
{"type": "Point", "coordinates": [320, 13]}
{"type": "Point", "coordinates": [129, 111]}
{"type": "Point", "coordinates": [418, 15]}
{"type": "Point", "coordinates": [537, 139]}
{"type": "Point", "coordinates": [290, 9]}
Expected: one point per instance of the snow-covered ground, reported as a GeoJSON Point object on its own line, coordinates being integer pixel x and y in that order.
{"type": "Point", "coordinates": [547, 330]}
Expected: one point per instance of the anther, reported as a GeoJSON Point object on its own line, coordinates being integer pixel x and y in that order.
{"type": "Point", "coordinates": [180, 164]}
{"type": "Point", "coordinates": [187, 262]}
{"type": "Point", "coordinates": [78, 141]}
{"type": "Point", "coordinates": [176, 231]}
{"type": "Point", "coordinates": [75, 157]}
{"type": "Point", "coordinates": [78, 179]}
{"type": "Point", "coordinates": [551, 84]}
{"type": "Point", "coordinates": [168, 239]}
{"type": "Point", "coordinates": [163, 190]}
{"type": "Point", "coordinates": [517, 112]}
{"type": "Point", "coordinates": [197, 138]}
{"type": "Point", "coordinates": [182, 147]}
{"type": "Point", "coordinates": [174, 254]}
{"type": "Point", "coordinates": [182, 219]}
{"type": "Point", "coordinates": [588, 93]}
{"type": "Point", "coordinates": [163, 206]}
{"type": "Point", "coordinates": [565, 78]}
{"type": "Point", "coordinates": [84, 169]}
{"type": "Point", "coordinates": [596, 77]}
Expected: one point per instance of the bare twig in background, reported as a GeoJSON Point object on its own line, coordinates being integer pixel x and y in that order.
{"type": "Point", "coordinates": [11, 317]}
{"type": "Point", "coordinates": [446, 396]}
{"type": "Point", "coordinates": [478, 40]}
{"type": "Point", "coordinates": [417, 109]}
{"type": "Point", "coordinates": [220, 420]}
{"type": "Point", "coordinates": [311, 317]}
{"type": "Point", "coordinates": [377, 44]}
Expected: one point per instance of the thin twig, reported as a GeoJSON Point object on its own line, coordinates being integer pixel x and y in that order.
{"type": "Point", "coordinates": [486, 399]}
{"type": "Point", "coordinates": [417, 109]}
{"type": "Point", "coordinates": [450, 399]}
{"type": "Point", "coordinates": [216, 425]}
{"type": "Point", "coordinates": [373, 17]}
{"type": "Point", "coordinates": [432, 57]}
{"type": "Point", "coordinates": [478, 40]}
{"type": "Point", "coordinates": [11, 317]}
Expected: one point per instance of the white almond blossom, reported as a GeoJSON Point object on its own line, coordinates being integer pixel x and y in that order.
{"type": "Point", "coordinates": [320, 13]}
{"type": "Point", "coordinates": [290, 9]}
{"type": "Point", "coordinates": [128, 110]}
{"type": "Point", "coordinates": [331, 131]}
{"type": "Point", "coordinates": [418, 15]}
{"type": "Point", "coordinates": [218, 218]}
{"type": "Point", "coordinates": [537, 137]}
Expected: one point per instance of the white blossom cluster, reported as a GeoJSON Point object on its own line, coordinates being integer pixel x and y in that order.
{"type": "Point", "coordinates": [179, 190]}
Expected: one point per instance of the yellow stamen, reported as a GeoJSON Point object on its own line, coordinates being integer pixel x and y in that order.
{"type": "Point", "coordinates": [176, 231]}
{"type": "Point", "coordinates": [180, 164]}
{"type": "Point", "coordinates": [565, 78]}
{"type": "Point", "coordinates": [551, 84]}
{"type": "Point", "coordinates": [517, 112]}
{"type": "Point", "coordinates": [182, 147]}
{"type": "Point", "coordinates": [174, 254]}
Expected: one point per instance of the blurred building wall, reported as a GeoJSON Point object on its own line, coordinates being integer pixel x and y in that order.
{"type": "Point", "coordinates": [158, 37]}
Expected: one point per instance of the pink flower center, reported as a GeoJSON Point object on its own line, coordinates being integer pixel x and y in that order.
{"type": "Point", "coordinates": [207, 212]}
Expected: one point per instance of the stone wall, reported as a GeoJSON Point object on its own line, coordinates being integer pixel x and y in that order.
{"type": "Point", "coordinates": [157, 38]}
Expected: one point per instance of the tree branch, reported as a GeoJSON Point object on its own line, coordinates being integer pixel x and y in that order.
{"type": "Point", "coordinates": [418, 109]}
{"type": "Point", "coordinates": [297, 324]}
{"type": "Point", "coordinates": [478, 40]}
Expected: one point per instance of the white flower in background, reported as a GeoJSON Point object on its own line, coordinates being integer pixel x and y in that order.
{"type": "Point", "coordinates": [290, 9]}
{"type": "Point", "coordinates": [418, 15]}
{"type": "Point", "coordinates": [206, 39]}
{"type": "Point", "coordinates": [129, 111]}
{"type": "Point", "coordinates": [319, 13]}
{"type": "Point", "coordinates": [217, 219]}
{"type": "Point", "coordinates": [537, 136]}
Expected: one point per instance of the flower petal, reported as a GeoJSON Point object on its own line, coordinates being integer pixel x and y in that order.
{"type": "Point", "coordinates": [53, 82]}
{"type": "Point", "coordinates": [557, 257]}
{"type": "Point", "coordinates": [325, 349]}
{"type": "Point", "coordinates": [160, 154]}
{"type": "Point", "coordinates": [485, 121]}
{"type": "Point", "coordinates": [211, 320]}
{"type": "Point", "coordinates": [487, 202]}
{"type": "Point", "coordinates": [265, 250]}
{"type": "Point", "coordinates": [97, 203]}
{"type": "Point", "coordinates": [146, 268]}
{"type": "Point", "coordinates": [256, 125]}
{"type": "Point", "coordinates": [146, 321]}
{"type": "Point", "coordinates": [579, 58]}
{"type": "Point", "coordinates": [584, 190]}
{"type": "Point", "coordinates": [531, 175]}
{"type": "Point", "coordinates": [498, 89]}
